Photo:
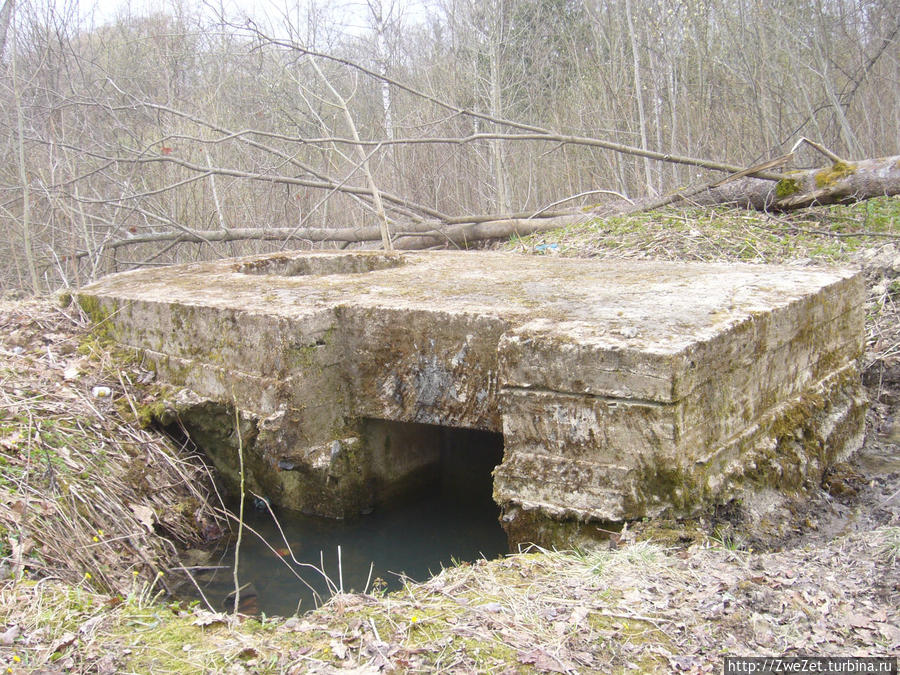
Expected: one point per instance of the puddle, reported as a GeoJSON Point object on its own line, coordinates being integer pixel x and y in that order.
{"type": "Point", "coordinates": [452, 520]}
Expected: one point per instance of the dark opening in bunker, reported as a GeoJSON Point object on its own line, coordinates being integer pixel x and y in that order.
{"type": "Point", "coordinates": [444, 514]}
{"type": "Point", "coordinates": [409, 458]}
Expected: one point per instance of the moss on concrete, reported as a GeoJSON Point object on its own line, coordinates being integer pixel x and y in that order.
{"type": "Point", "coordinates": [100, 313]}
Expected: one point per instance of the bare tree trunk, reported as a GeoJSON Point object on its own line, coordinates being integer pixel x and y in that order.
{"type": "Point", "coordinates": [23, 172]}
{"type": "Point", "coordinates": [364, 159]}
{"type": "Point", "coordinates": [497, 153]}
{"type": "Point", "coordinates": [5, 18]}
{"type": "Point", "coordinates": [376, 9]}
{"type": "Point", "coordinates": [639, 95]}
{"type": "Point", "coordinates": [847, 134]}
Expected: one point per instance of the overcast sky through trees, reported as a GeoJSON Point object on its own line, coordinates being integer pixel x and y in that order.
{"type": "Point", "coordinates": [154, 133]}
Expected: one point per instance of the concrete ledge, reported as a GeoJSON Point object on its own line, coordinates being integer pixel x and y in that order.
{"type": "Point", "coordinates": [623, 390]}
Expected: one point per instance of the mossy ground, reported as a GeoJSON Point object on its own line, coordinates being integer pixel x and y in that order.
{"type": "Point", "coordinates": [821, 235]}
{"type": "Point", "coordinates": [640, 608]}
{"type": "Point", "coordinates": [682, 603]}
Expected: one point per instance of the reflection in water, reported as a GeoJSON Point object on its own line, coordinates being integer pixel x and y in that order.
{"type": "Point", "coordinates": [455, 520]}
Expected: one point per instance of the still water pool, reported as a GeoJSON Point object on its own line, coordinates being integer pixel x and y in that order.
{"type": "Point", "coordinates": [452, 520]}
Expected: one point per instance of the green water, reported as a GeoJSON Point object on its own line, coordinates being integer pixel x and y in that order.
{"type": "Point", "coordinates": [452, 520]}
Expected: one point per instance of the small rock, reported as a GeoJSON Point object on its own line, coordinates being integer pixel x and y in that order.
{"type": "Point", "coordinates": [196, 557]}
{"type": "Point", "coordinates": [491, 607]}
{"type": "Point", "coordinates": [9, 636]}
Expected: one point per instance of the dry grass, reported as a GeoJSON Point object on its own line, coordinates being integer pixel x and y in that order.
{"type": "Point", "coordinates": [86, 496]}
{"type": "Point", "coordinates": [73, 629]}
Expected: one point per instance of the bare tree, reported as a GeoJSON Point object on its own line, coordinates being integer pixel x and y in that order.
{"type": "Point", "coordinates": [174, 136]}
{"type": "Point", "coordinates": [6, 12]}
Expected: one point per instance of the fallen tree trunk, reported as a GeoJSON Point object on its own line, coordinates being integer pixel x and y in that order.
{"type": "Point", "coordinates": [462, 235]}
{"type": "Point", "coordinates": [413, 236]}
{"type": "Point", "coordinates": [840, 183]}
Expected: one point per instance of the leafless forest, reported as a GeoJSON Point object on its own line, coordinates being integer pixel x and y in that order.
{"type": "Point", "coordinates": [190, 133]}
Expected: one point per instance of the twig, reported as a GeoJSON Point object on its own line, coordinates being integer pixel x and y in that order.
{"type": "Point", "coordinates": [369, 578]}
{"type": "Point", "coordinates": [187, 570]}
{"type": "Point", "coordinates": [756, 169]}
{"type": "Point", "coordinates": [287, 544]}
{"type": "Point", "coordinates": [240, 532]}
{"type": "Point", "coordinates": [580, 194]}
{"type": "Point", "coordinates": [320, 570]}
{"type": "Point", "coordinates": [836, 235]}
{"type": "Point", "coordinates": [818, 146]}
{"type": "Point", "coordinates": [892, 497]}
{"type": "Point", "coordinates": [374, 629]}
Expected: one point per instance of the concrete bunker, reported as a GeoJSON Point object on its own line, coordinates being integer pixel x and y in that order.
{"type": "Point", "coordinates": [621, 390]}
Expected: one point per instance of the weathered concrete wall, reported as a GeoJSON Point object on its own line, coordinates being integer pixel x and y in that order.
{"type": "Point", "coordinates": [622, 390]}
